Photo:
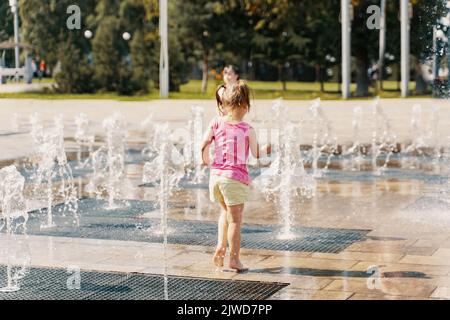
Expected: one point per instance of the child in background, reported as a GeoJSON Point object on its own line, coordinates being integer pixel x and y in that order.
{"type": "Point", "coordinates": [230, 76]}
{"type": "Point", "coordinates": [229, 179]}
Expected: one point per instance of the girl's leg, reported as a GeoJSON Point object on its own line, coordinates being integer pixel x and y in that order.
{"type": "Point", "coordinates": [234, 214]}
{"type": "Point", "coordinates": [221, 249]}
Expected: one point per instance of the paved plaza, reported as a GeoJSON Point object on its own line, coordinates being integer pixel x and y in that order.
{"type": "Point", "coordinates": [361, 236]}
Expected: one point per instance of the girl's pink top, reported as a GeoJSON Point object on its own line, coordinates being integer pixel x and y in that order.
{"type": "Point", "coordinates": [231, 150]}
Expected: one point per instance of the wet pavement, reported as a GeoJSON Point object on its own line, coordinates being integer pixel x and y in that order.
{"type": "Point", "coordinates": [363, 236]}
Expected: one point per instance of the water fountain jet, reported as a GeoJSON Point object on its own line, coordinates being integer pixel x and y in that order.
{"type": "Point", "coordinates": [13, 217]}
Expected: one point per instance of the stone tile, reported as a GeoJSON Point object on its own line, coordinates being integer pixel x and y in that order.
{"type": "Point", "coordinates": [381, 246]}
{"type": "Point", "coordinates": [300, 294]}
{"type": "Point", "coordinates": [304, 282]}
{"type": "Point", "coordinates": [127, 268]}
{"type": "Point", "coordinates": [298, 254]}
{"type": "Point", "coordinates": [138, 263]}
{"type": "Point", "coordinates": [441, 281]}
{"type": "Point", "coordinates": [313, 263]}
{"type": "Point", "coordinates": [48, 264]}
{"type": "Point", "coordinates": [295, 282]}
{"type": "Point", "coordinates": [420, 251]}
{"type": "Point", "coordinates": [385, 286]}
{"type": "Point", "coordinates": [359, 256]}
{"type": "Point", "coordinates": [442, 252]}
{"type": "Point", "coordinates": [363, 296]}
{"type": "Point", "coordinates": [441, 293]}
{"type": "Point", "coordinates": [427, 270]}
{"type": "Point", "coordinates": [208, 274]}
{"type": "Point", "coordinates": [204, 262]}
{"type": "Point", "coordinates": [438, 242]}
{"type": "Point", "coordinates": [433, 260]}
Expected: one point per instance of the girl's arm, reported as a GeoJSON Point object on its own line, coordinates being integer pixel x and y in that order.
{"type": "Point", "coordinates": [256, 150]}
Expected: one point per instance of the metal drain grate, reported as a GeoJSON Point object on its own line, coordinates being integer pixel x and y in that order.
{"type": "Point", "coordinates": [389, 174]}
{"type": "Point", "coordinates": [98, 208]}
{"type": "Point", "coordinates": [51, 284]}
{"type": "Point", "coordinates": [127, 224]}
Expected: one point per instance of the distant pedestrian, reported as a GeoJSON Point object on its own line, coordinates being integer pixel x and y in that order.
{"type": "Point", "coordinates": [42, 69]}
{"type": "Point", "coordinates": [34, 68]}
{"type": "Point", "coordinates": [230, 75]}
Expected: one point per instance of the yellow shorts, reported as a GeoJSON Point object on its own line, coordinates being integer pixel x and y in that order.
{"type": "Point", "coordinates": [228, 191]}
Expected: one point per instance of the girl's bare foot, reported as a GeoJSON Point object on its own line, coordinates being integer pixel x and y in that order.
{"type": "Point", "coordinates": [219, 256]}
{"type": "Point", "coordinates": [238, 266]}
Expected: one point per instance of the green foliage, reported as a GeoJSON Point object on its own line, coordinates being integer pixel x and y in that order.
{"type": "Point", "coordinates": [106, 52]}
{"type": "Point", "coordinates": [76, 75]}
{"type": "Point", "coordinates": [6, 22]}
{"type": "Point", "coordinates": [212, 32]}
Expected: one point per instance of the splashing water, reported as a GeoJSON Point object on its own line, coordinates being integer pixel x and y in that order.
{"type": "Point", "coordinates": [433, 135]}
{"type": "Point", "coordinates": [52, 166]}
{"type": "Point", "coordinates": [286, 182]}
{"type": "Point", "coordinates": [165, 172]}
{"type": "Point", "coordinates": [355, 150]}
{"type": "Point", "coordinates": [383, 140]}
{"type": "Point", "coordinates": [84, 136]}
{"type": "Point", "coordinates": [148, 125]}
{"type": "Point", "coordinates": [13, 219]}
{"type": "Point", "coordinates": [416, 130]}
{"type": "Point", "coordinates": [324, 141]}
{"type": "Point", "coordinates": [192, 146]}
{"type": "Point", "coordinates": [109, 161]}
{"type": "Point", "coordinates": [281, 116]}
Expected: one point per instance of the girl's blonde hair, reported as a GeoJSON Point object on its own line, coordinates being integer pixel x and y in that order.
{"type": "Point", "coordinates": [237, 96]}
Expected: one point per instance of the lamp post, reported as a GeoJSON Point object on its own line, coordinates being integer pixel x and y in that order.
{"type": "Point", "coordinates": [446, 23]}
{"type": "Point", "coordinates": [14, 9]}
{"type": "Point", "coordinates": [382, 47]}
{"type": "Point", "coordinates": [164, 54]}
{"type": "Point", "coordinates": [346, 47]}
{"type": "Point", "coordinates": [405, 15]}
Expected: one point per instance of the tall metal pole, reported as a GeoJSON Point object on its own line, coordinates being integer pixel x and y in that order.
{"type": "Point", "coordinates": [405, 29]}
{"type": "Point", "coordinates": [14, 9]}
{"type": "Point", "coordinates": [448, 53]}
{"type": "Point", "coordinates": [164, 55]}
{"type": "Point", "coordinates": [382, 42]}
{"type": "Point", "coordinates": [346, 48]}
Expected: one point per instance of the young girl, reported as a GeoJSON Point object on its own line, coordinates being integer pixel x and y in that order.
{"type": "Point", "coordinates": [229, 180]}
{"type": "Point", "coordinates": [230, 76]}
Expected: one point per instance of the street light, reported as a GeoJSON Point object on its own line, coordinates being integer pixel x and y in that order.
{"type": "Point", "coordinates": [88, 34]}
{"type": "Point", "coordinates": [346, 19]}
{"type": "Point", "coordinates": [14, 9]}
{"type": "Point", "coordinates": [405, 16]}
{"type": "Point", "coordinates": [164, 53]}
{"type": "Point", "coordinates": [126, 36]}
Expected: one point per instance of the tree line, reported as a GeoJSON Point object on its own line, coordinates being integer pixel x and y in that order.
{"type": "Point", "coordinates": [270, 40]}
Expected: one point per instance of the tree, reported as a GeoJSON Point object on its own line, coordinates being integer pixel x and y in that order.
{"type": "Point", "coordinates": [279, 33]}
{"type": "Point", "coordinates": [138, 18]}
{"type": "Point", "coordinates": [76, 74]}
{"type": "Point", "coordinates": [202, 28]}
{"type": "Point", "coordinates": [6, 25]}
{"type": "Point", "coordinates": [44, 27]}
{"type": "Point", "coordinates": [323, 34]}
{"type": "Point", "coordinates": [107, 53]}
{"type": "Point", "coordinates": [425, 15]}
{"type": "Point", "coordinates": [6, 22]}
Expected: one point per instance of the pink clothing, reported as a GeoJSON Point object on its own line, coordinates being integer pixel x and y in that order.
{"type": "Point", "coordinates": [231, 150]}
